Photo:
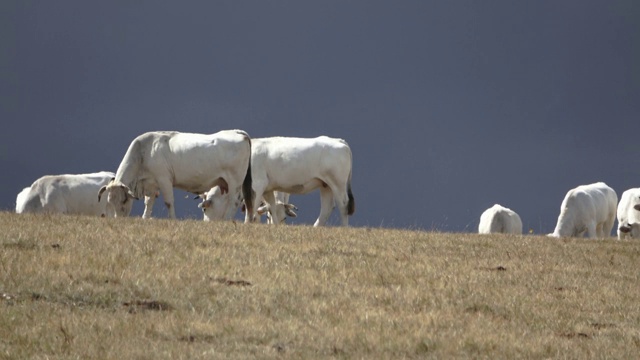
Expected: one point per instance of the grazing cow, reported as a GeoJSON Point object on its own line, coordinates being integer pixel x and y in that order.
{"type": "Point", "coordinates": [589, 209]}
{"type": "Point", "coordinates": [162, 160]}
{"type": "Point", "coordinates": [283, 208]}
{"type": "Point", "coordinates": [301, 165]}
{"type": "Point", "coordinates": [217, 205]}
{"type": "Point", "coordinates": [628, 214]}
{"type": "Point", "coordinates": [499, 219]}
{"type": "Point", "coordinates": [66, 194]}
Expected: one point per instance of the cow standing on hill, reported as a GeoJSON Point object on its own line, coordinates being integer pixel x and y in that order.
{"type": "Point", "coordinates": [589, 209]}
{"type": "Point", "coordinates": [499, 219]}
{"type": "Point", "coordinates": [66, 194]}
{"type": "Point", "coordinates": [162, 160]}
{"type": "Point", "coordinates": [299, 166]}
{"type": "Point", "coordinates": [628, 214]}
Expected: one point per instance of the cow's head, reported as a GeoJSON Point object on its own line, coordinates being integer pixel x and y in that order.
{"type": "Point", "coordinates": [280, 212]}
{"type": "Point", "coordinates": [216, 203]}
{"type": "Point", "coordinates": [119, 198]}
{"type": "Point", "coordinates": [629, 230]}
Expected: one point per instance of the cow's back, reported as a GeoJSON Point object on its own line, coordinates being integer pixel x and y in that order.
{"type": "Point", "coordinates": [69, 194]}
{"type": "Point", "coordinates": [605, 201]}
{"type": "Point", "coordinates": [193, 158]}
{"type": "Point", "coordinates": [291, 161]}
{"type": "Point", "coordinates": [499, 219]}
{"type": "Point", "coordinates": [585, 205]}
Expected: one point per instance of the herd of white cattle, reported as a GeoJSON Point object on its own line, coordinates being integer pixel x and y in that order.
{"type": "Point", "coordinates": [586, 210]}
{"type": "Point", "coordinates": [227, 169]}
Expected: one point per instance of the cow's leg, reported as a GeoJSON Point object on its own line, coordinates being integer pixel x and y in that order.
{"type": "Point", "coordinates": [234, 204]}
{"type": "Point", "coordinates": [54, 203]}
{"type": "Point", "coordinates": [326, 206]}
{"type": "Point", "coordinates": [166, 189]}
{"type": "Point", "coordinates": [341, 200]}
{"type": "Point", "coordinates": [259, 190]}
{"type": "Point", "coordinates": [271, 200]}
{"type": "Point", "coordinates": [608, 226]}
{"type": "Point", "coordinates": [592, 232]}
{"type": "Point", "coordinates": [148, 206]}
{"type": "Point", "coordinates": [600, 230]}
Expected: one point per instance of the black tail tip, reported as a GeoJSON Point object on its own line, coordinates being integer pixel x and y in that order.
{"type": "Point", "coordinates": [351, 206]}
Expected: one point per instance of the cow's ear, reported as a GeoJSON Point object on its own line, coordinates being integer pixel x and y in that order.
{"type": "Point", "coordinates": [625, 229]}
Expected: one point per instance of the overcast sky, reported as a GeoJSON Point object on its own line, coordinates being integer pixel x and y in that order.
{"type": "Point", "coordinates": [448, 106]}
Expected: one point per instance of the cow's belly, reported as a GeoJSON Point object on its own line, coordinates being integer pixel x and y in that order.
{"type": "Point", "coordinates": [197, 185]}
{"type": "Point", "coordinates": [298, 188]}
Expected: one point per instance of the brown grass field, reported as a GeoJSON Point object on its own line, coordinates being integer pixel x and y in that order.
{"type": "Point", "coordinates": [79, 287]}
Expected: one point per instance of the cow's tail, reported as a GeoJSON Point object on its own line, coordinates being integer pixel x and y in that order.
{"type": "Point", "coordinates": [247, 187]}
{"type": "Point", "coordinates": [28, 201]}
{"type": "Point", "coordinates": [22, 199]}
{"type": "Point", "coordinates": [351, 205]}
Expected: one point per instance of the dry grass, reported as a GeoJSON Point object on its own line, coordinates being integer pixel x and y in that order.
{"type": "Point", "coordinates": [77, 287]}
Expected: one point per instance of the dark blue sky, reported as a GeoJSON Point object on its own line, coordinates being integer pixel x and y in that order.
{"type": "Point", "coordinates": [448, 106]}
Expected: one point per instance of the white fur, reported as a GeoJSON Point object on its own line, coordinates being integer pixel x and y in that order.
{"type": "Point", "coordinates": [589, 209]}
{"type": "Point", "coordinates": [67, 194]}
{"type": "Point", "coordinates": [217, 204]}
{"type": "Point", "coordinates": [301, 165]}
{"type": "Point", "coordinates": [162, 160]}
{"type": "Point", "coordinates": [499, 219]}
{"type": "Point", "coordinates": [21, 199]}
{"type": "Point", "coordinates": [628, 217]}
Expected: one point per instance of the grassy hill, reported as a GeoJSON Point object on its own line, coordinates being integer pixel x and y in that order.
{"type": "Point", "coordinates": [78, 287]}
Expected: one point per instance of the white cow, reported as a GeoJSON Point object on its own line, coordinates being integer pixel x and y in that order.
{"type": "Point", "coordinates": [162, 160]}
{"type": "Point", "coordinates": [217, 205]}
{"type": "Point", "coordinates": [589, 209]}
{"type": "Point", "coordinates": [67, 194]}
{"type": "Point", "coordinates": [283, 208]}
{"type": "Point", "coordinates": [499, 219]}
{"type": "Point", "coordinates": [301, 165]}
{"type": "Point", "coordinates": [628, 214]}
